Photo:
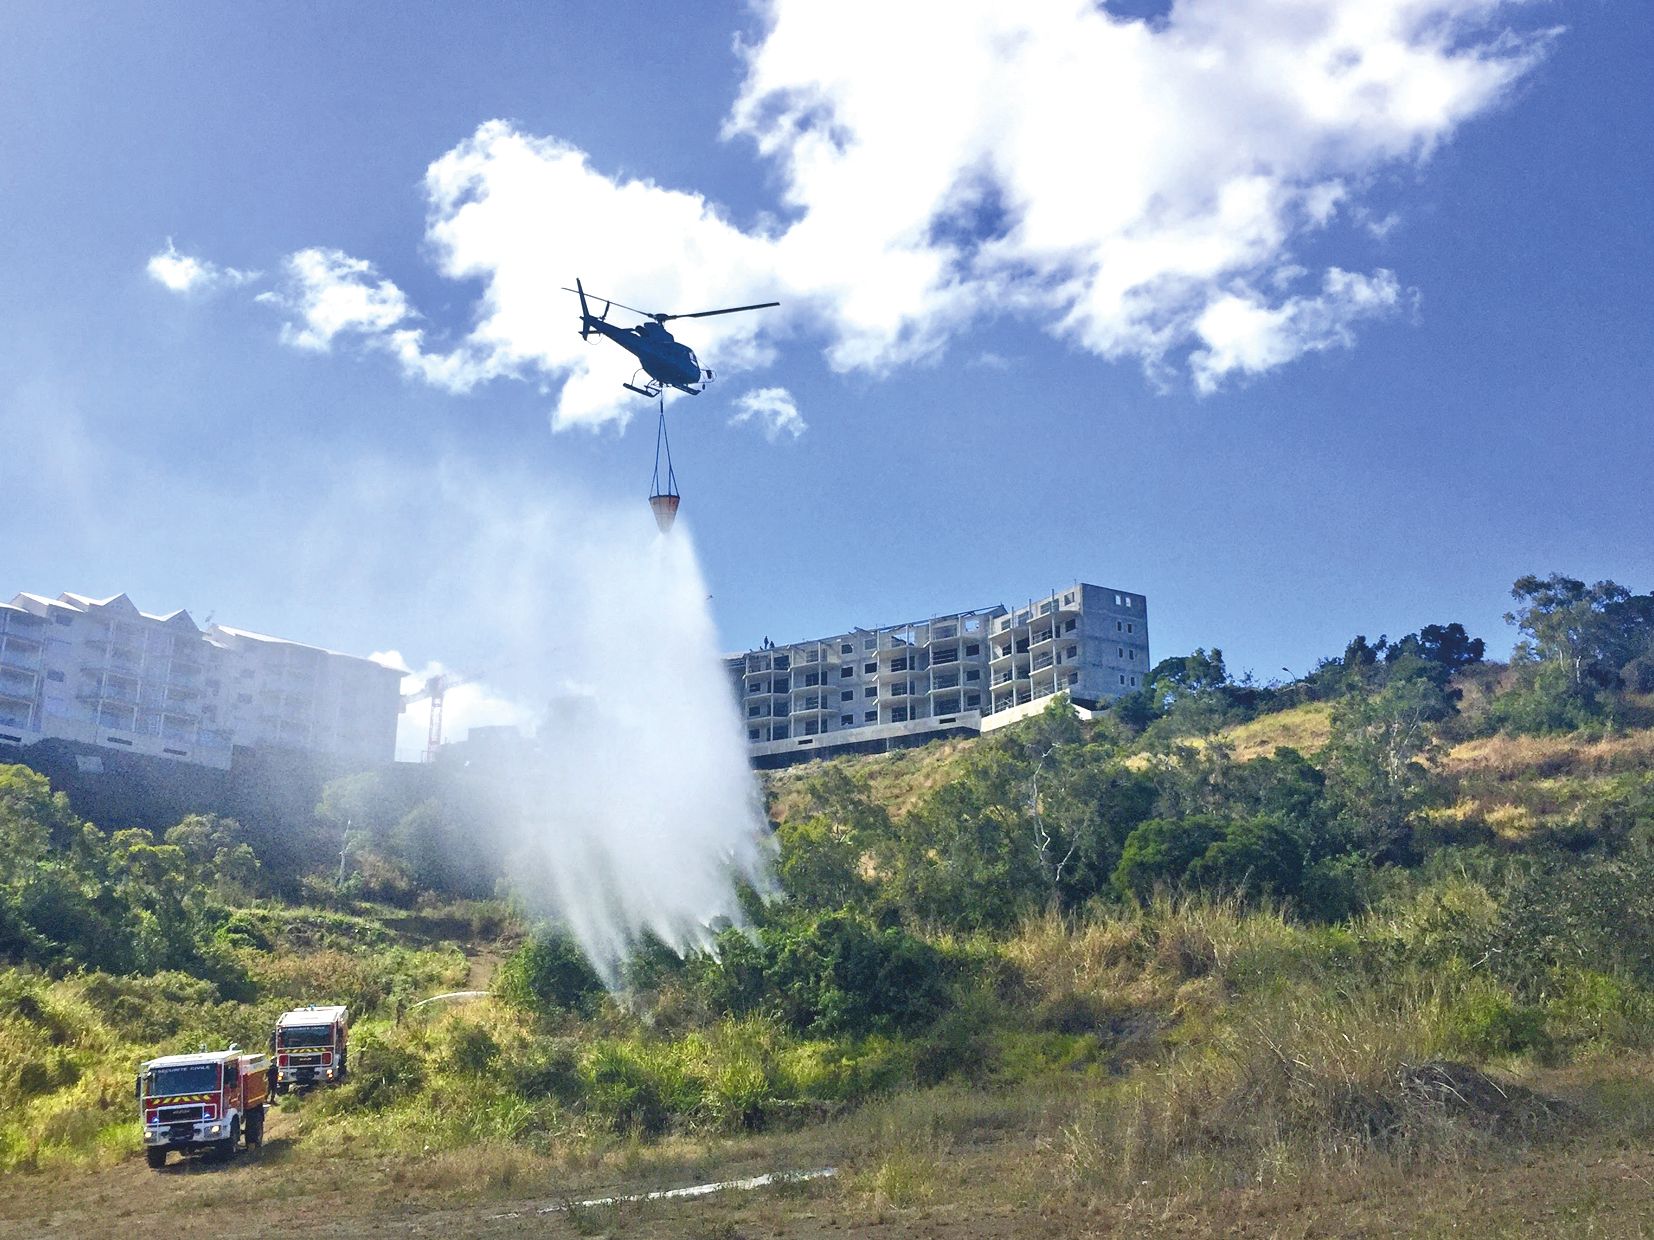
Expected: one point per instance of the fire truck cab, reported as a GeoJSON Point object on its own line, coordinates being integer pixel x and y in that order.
{"type": "Point", "coordinates": [308, 1046]}
{"type": "Point", "coordinates": [208, 1101]}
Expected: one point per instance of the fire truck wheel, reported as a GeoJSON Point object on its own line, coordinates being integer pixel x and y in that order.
{"type": "Point", "coordinates": [156, 1156]}
{"type": "Point", "coordinates": [226, 1148]}
{"type": "Point", "coordinates": [255, 1128]}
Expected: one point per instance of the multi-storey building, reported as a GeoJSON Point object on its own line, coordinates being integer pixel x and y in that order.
{"type": "Point", "coordinates": [103, 673]}
{"type": "Point", "coordinates": [961, 673]}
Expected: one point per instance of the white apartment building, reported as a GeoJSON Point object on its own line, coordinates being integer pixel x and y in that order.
{"type": "Point", "coordinates": [103, 673]}
{"type": "Point", "coordinates": [961, 673]}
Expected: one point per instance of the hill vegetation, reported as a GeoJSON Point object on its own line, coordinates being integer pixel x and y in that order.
{"type": "Point", "coordinates": [1390, 914]}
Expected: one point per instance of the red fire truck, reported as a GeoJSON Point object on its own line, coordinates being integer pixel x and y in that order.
{"type": "Point", "coordinates": [208, 1101]}
{"type": "Point", "coordinates": [308, 1046]}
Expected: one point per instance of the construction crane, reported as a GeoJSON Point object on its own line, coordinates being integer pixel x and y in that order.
{"type": "Point", "coordinates": [435, 687]}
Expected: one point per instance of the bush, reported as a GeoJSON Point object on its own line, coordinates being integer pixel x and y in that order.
{"type": "Point", "coordinates": [633, 1090]}
{"type": "Point", "coordinates": [1487, 1022]}
{"type": "Point", "coordinates": [1160, 852]}
{"type": "Point", "coordinates": [548, 1069]}
{"type": "Point", "coordinates": [382, 1073]}
{"type": "Point", "coordinates": [1545, 701]}
{"type": "Point", "coordinates": [1260, 856]}
{"type": "Point", "coordinates": [549, 974]}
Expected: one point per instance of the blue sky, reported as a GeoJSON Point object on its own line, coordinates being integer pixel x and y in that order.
{"type": "Point", "coordinates": [1278, 456]}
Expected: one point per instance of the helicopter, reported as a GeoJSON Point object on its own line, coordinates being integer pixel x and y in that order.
{"type": "Point", "coordinates": [665, 361]}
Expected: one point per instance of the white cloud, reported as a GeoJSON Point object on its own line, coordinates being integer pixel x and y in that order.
{"type": "Point", "coordinates": [1241, 332]}
{"type": "Point", "coordinates": [1140, 191]}
{"type": "Point", "coordinates": [773, 410]}
{"type": "Point", "coordinates": [184, 273]}
{"type": "Point", "coordinates": [332, 294]}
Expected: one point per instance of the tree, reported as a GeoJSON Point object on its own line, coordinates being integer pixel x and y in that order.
{"type": "Point", "coordinates": [1191, 673]}
{"type": "Point", "coordinates": [1592, 632]}
{"type": "Point", "coordinates": [1261, 856]}
{"type": "Point", "coordinates": [1160, 851]}
{"type": "Point", "coordinates": [1447, 647]}
{"type": "Point", "coordinates": [216, 848]}
{"type": "Point", "coordinates": [820, 864]}
{"type": "Point", "coordinates": [1082, 801]}
{"type": "Point", "coordinates": [1374, 760]}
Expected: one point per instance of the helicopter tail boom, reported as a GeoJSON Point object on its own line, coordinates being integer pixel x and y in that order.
{"type": "Point", "coordinates": [585, 310]}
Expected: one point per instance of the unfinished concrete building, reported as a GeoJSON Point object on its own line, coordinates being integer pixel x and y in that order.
{"type": "Point", "coordinates": [874, 689]}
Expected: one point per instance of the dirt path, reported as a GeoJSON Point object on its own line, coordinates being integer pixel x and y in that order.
{"type": "Point", "coordinates": [482, 963]}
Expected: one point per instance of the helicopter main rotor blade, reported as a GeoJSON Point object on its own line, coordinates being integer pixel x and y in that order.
{"type": "Point", "coordinates": [702, 314]}
{"type": "Point", "coordinates": [610, 301]}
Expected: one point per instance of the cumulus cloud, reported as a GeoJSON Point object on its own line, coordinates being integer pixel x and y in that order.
{"type": "Point", "coordinates": [328, 293]}
{"type": "Point", "coordinates": [772, 410]}
{"type": "Point", "coordinates": [1242, 332]}
{"type": "Point", "coordinates": [1143, 191]}
{"type": "Point", "coordinates": [184, 273]}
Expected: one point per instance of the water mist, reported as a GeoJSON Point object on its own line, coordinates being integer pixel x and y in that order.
{"type": "Point", "coordinates": [633, 809]}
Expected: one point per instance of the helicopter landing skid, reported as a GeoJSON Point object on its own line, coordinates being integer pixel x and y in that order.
{"type": "Point", "coordinates": [653, 388]}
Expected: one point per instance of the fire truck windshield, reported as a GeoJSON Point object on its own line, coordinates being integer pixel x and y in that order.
{"type": "Point", "coordinates": [195, 1078]}
{"type": "Point", "coordinates": [304, 1035]}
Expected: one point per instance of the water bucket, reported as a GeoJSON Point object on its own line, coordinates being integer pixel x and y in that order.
{"type": "Point", "coordinates": [665, 508]}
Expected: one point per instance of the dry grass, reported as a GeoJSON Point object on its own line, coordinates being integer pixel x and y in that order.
{"type": "Point", "coordinates": [1305, 728]}
{"type": "Point", "coordinates": [898, 781]}
{"type": "Point", "coordinates": [1517, 786]}
{"type": "Point", "coordinates": [1522, 758]}
{"type": "Point", "coordinates": [1063, 1159]}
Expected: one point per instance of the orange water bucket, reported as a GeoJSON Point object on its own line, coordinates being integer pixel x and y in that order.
{"type": "Point", "coordinates": [665, 508]}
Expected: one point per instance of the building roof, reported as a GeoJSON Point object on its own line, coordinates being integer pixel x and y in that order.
{"type": "Point", "coordinates": [46, 602]}
{"type": "Point", "coordinates": [247, 634]}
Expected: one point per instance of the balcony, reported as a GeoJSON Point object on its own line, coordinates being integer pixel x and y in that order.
{"type": "Point", "coordinates": [15, 647]}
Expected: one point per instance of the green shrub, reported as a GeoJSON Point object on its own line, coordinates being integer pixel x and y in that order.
{"type": "Point", "coordinates": [1159, 853]}
{"type": "Point", "coordinates": [547, 974]}
{"type": "Point", "coordinates": [1599, 1010]}
{"type": "Point", "coordinates": [635, 1090]}
{"type": "Point", "coordinates": [1486, 1022]}
{"type": "Point", "coordinates": [547, 1069]}
{"type": "Point", "coordinates": [382, 1073]}
{"type": "Point", "coordinates": [471, 1049]}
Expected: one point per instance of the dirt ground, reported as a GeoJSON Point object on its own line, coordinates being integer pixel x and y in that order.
{"type": "Point", "coordinates": [983, 1190]}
